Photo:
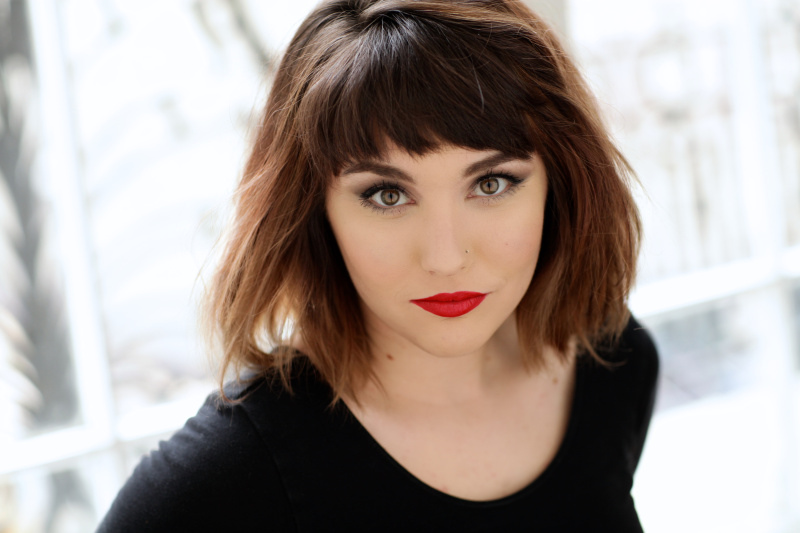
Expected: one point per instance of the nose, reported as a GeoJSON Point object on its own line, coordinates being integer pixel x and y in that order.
{"type": "Point", "coordinates": [443, 238]}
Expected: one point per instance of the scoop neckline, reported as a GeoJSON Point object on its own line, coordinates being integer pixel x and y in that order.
{"type": "Point", "coordinates": [563, 449]}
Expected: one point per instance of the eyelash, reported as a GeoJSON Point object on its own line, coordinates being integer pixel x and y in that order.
{"type": "Point", "coordinates": [511, 188]}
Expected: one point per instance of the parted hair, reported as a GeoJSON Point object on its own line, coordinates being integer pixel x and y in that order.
{"type": "Point", "coordinates": [360, 75]}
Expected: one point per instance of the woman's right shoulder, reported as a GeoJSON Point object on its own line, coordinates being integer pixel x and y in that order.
{"type": "Point", "coordinates": [216, 472]}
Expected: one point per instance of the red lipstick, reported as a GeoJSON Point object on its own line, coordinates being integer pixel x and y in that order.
{"type": "Point", "coordinates": [451, 304]}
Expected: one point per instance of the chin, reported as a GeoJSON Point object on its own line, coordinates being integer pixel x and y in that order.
{"type": "Point", "coordinates": [453, 348]}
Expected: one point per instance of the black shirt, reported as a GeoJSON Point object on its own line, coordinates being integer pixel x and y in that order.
{"type": "Point", "coordinates": [281, 462]}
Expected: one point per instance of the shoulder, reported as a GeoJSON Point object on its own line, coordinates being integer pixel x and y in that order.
{"type": "Point", "coordinates": [623, 391]}
{"type": "Point", "coordinates": [637, 357]}
{"type": "Point", "coordinates": [216, 471]}
{"type": "Point", "coordinates": [639, 350]}
{"type": "Point", "coordinates": [632, 360]}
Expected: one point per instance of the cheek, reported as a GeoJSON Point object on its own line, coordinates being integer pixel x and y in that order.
{"type": "Point", "coordinates": [517, 237]}
{"type": "Point", "coordinates": [516, 242]}
{"type": "Point", "coordinates": [373, 258]}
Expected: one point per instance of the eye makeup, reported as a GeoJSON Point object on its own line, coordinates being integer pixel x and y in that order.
{"type": "Point", "coordinates": [369, 197]}
{"type": "Point", "coordinates": [511, 184]}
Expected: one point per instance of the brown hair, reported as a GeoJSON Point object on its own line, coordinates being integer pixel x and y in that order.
{"type": "Point", "coordinates": [481, 74]}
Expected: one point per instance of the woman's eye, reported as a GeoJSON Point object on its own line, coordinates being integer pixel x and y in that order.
{"type": "Point", "coordinates": [491, 186]}
{"type": "Point", "coordinates": [389, 198]}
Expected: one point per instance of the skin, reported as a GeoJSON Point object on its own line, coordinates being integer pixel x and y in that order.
{"type": "Point", "coordinates": [452, 402]}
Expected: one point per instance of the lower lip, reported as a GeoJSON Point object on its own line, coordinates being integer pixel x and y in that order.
{"type": "Point", "coordinates": [453, 305]}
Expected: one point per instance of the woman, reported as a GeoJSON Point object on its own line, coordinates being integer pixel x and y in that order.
{"type": "Point", "coordinates": [423, 293]}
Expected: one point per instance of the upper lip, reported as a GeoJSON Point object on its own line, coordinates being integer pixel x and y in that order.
{"type": "Point", "coordinates": [451, 296]}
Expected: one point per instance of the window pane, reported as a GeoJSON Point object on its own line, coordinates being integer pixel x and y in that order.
{"type": "Point", "coordinates": [782, 40]}
{"type": "Point", "coordinates": [53, 500]}
{"type": "Point", "coordinates": [160, 124]}
{"type": "Point", "coordinates": [703, 352]}
{"type": "Point", "coordinates": [662, 72]}
{"type": "Point", "coordinates": [37, 379]}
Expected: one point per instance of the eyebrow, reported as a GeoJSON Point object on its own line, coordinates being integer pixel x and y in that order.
{"type": "Point", "coordinates": [381, 169]}
{"type": "Point", "coordinates": [388, 171]}
{"type": "Point", "coordinates": [490, 161]}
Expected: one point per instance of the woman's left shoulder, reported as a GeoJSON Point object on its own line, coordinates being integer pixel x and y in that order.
{"type": "Point", "coordinates": [629, 384]}
{"type": "Point", "coordinates": [636, 339]}
{"type": "Point", "coordinates": [634, 356]}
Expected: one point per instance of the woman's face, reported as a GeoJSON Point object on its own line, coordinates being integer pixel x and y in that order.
{"type": "Point", "coordinates": [441, 248]}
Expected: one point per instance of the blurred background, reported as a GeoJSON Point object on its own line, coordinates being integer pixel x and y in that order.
{"type": "Point", "coordinates": [123, 127]}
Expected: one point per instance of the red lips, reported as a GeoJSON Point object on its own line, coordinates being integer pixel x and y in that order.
{"type": "Point", "coordinates": [451, 304]}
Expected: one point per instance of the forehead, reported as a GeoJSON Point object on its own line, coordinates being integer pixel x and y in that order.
{"type": "Point", "coordinates": [464, 159]}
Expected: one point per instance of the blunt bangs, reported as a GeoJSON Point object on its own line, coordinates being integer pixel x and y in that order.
{"type": "Point", "coordinates": [401, 77]}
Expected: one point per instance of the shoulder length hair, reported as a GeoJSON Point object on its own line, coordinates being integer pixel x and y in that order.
{"type": "Point", "coordinates": [358, 74]}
